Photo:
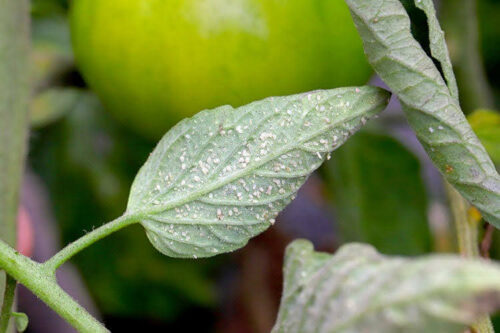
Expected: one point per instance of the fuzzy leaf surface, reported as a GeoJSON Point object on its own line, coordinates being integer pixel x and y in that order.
{"type": "Point", "coordinates": [221, 177]}
{"type": "Point", "coordinates": [430, 105]}
{"type": "Point", "coordinates": [360, 290]}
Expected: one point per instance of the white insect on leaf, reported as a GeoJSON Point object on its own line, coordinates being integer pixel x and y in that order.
{"type": "Point", "coordinates": [360, 290]}
{"type": "Point", "coordinates": [428, 97]}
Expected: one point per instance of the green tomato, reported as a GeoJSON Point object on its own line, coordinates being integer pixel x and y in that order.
{"type": "Point", "coordinates": [154, 62]}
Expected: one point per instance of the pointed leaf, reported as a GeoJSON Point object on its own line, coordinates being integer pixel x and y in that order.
{"type": "Point", "coordinates": [221, 177]}
{"type": "Point", "coordinates": [360, 290]}
{"type": "Point", "coordinates": [432, 111]}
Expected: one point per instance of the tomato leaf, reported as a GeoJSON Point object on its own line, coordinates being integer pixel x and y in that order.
{"type": "Point", "coordinates": [430, 105]}
{"type": "Point", "coordinates": [221, 177]}
{"type": "Point", "coordinates": [360, 290]}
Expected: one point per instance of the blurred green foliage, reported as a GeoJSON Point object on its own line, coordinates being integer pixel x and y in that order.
{"type": "Point", "coordinates": [486, 124]}
{"type": "Point", "coordinates": [51, 55]}
{"type": "Point", "coordinates": [52, 104]}
{"type": "Point", "coordinates": [379, 195]}
{"type": "Point", "coordinates": [489, 12]}
{"type": "Point", "coordinates": [41, 8]}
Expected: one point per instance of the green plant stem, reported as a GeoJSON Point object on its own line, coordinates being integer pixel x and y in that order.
{"type": "Point", "coordinates": [70, 250]}
{"type": "Point", "coordinates": [467, 233]}
{"type": "Point", "coordinates": [41, 280]}
{"type": "Point", "coordinates": [8, 302]}
{"type": "Point", "coordinates": [44, 285]}
{"type": "Point", "coordinates": [468, 241]}
{"type": "Point", "coordinates": [459, 19]}
{"type": "Point", "coordinates": [14, 98]}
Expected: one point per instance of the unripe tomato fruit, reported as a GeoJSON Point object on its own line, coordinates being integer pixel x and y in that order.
{"type": "Point", "coordinates": [154, 62]}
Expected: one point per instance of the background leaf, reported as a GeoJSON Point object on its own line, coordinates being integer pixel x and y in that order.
{"type": "Point", "coordinates": [359, 290]}
{"type": "Point", "coordinates": [51, 54]}
{"type": "Point", "coordinates": [52, 104]}
{"type": "Point", "coordinates": [379, 195]}
{"type": "Point", "coordinates": [221, 177]}
{"type": "Point", "coordinates": [432, 111]}
{"type": "Point", "coordinates": [486, 125]}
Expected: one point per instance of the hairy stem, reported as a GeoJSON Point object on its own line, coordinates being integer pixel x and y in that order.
{"type": "Point", "coordinates": [8, 302]}
{"type": "Point", "coordinates": [44, 285]}
{"type": "Point", "coordinates": [460, 22]}
{"type": "Point", "coordinates": [70, 250]}
{"type": "Point", "coordinates": [41, 280]}
{"type": "Point", "coordinates": [468, 241]}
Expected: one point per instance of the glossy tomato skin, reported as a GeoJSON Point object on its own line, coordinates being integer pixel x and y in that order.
{"type": "Point", "coordinates": [154, 62]}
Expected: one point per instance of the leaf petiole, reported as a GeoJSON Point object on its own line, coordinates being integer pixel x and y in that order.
{"type": "Point", "coordinates": [83, 242]}
{"type": "Point", "coordinates": [40, 278]}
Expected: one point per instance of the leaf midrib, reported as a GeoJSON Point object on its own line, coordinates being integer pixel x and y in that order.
{"type": "Point", "coordinates": [244, 172]}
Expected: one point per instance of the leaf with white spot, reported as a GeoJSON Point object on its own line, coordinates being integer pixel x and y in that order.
{"type": "Point", "coordinates": [359, 290]}
{"type": "Point", "coordinates": [429, 99]}
{"type": "Point", "coordinates": [221, 177]}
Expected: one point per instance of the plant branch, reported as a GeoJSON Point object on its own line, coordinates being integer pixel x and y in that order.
{"type": "Point", "coordinates": [468, 241]}
{"type": "Point", "coordinates": [44, 285]}
{"type": "Point", "coordinates": [467, 229]}
{"type": "Point", "coordinates": [8, 302]}
{"type": "Point", "coordinates": [40, 278]}
{"type": "Point", "coordinates": [70, 250]}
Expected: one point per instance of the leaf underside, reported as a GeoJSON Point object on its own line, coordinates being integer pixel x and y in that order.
{"type": "Point", "coordinates": [221, 177]}
{"type": "Point", "coordinates": [430, 104]}
{"type": "Point", "coordinates": [360, 290]}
